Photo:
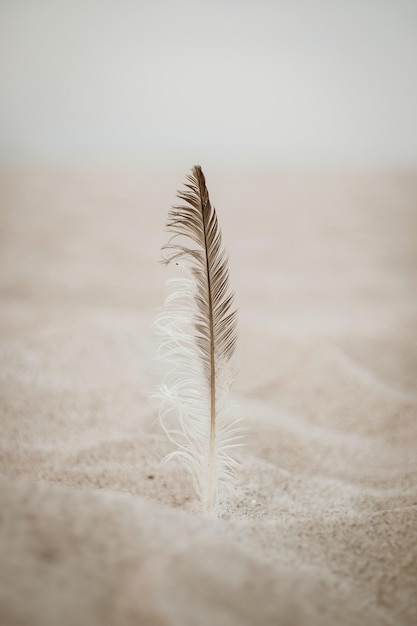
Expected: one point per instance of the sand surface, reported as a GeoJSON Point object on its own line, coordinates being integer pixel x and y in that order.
{"type": "Point", "coordinates": [322, 530]}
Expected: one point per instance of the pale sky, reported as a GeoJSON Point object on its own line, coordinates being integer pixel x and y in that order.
{"type": "Point", "coordinates": [293, 82]}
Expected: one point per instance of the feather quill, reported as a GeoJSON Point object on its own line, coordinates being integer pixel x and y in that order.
{"type": "Point", "coordinates": [198, 338]}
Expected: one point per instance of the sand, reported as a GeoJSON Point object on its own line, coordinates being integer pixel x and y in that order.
{"type": "Point", "coordinates": [322, 530]}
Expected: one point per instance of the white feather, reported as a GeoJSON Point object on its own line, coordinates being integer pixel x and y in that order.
{"type": "Point", "coordinates": [196, 411]}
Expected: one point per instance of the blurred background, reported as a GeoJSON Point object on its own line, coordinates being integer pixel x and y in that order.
{"type": "Point", "coordinates": [225, 82]}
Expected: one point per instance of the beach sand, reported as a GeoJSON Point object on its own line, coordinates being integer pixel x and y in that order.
{"type": "Point", "coordinates": [322, 530]}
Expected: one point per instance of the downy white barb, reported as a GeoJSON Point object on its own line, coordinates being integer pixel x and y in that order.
{"type": "Point", "coordinates": [198, 338]}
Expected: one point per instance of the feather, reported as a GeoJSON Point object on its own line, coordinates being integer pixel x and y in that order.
{"type": "Point", "coordinates": [198, 339]}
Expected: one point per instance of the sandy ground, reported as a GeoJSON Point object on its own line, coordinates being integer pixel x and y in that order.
{"type": "Point", "coordinates": [323, 527]}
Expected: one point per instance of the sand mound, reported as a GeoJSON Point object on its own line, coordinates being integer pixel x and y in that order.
{"type": "Point", "coordinates": [323, 527]}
